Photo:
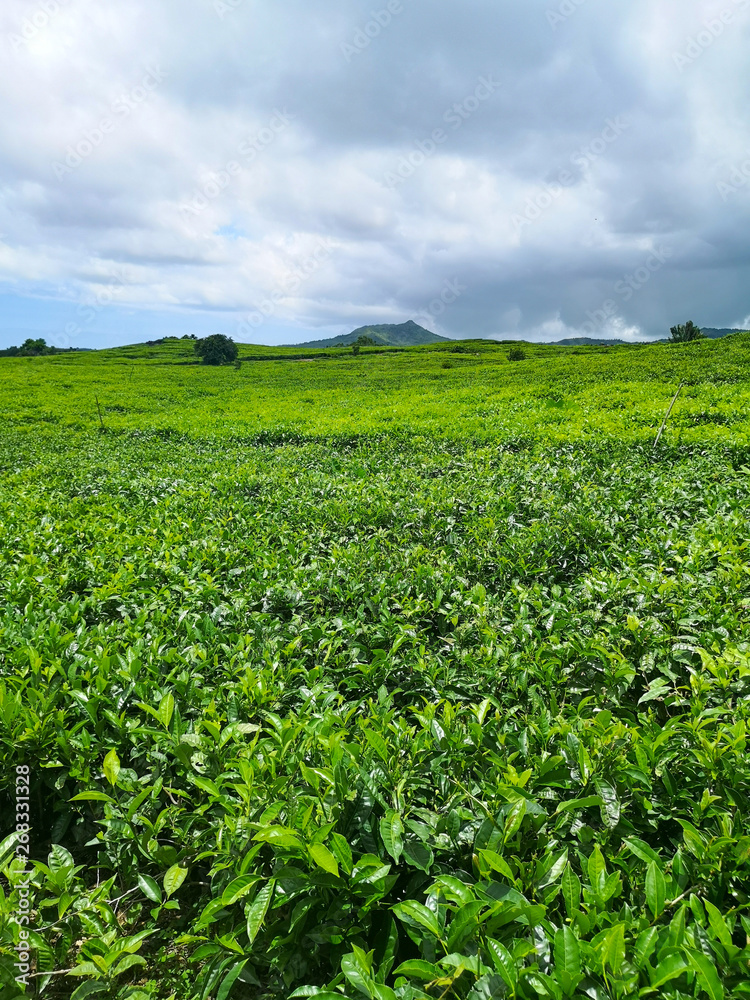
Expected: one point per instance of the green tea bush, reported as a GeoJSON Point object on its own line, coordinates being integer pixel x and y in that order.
{"type": "Point", "coordinates": [401, 714]}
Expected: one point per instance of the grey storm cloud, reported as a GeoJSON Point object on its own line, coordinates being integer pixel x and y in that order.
{"type": "Point", "coordinates": [541, 169]}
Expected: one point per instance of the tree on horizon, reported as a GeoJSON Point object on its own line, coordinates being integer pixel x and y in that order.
{"type": "Point", "coordinates": [685, 332]}
{"type": "Point", "coordinates": [216, 349]}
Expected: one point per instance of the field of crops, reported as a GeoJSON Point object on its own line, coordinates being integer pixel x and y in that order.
{"type": "Point", "coordinates": [417, 674]}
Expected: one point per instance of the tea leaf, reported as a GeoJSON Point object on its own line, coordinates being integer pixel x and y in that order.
{"type": "Point", "coordinates": [323, 858]}
{"type": "Point", "coordinates": [173, 879]}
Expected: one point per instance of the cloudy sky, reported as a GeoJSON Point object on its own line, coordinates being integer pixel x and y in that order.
{"type": "Point", "coordinates": [284, 171]}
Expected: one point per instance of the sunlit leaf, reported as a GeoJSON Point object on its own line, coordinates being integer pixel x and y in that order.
{"type": "Point", "coordinates": [656, 889]}
{"type": "Point", "coordinates": [111, 767]}
{"type": "Point", "coordinates": [323, 858]}
{"type": "Point", "coordinates": [173, 879]}
{"type": "Point", "coordinates": [257, 910]}
{"type": "Point", "coordinates": [392, 832]}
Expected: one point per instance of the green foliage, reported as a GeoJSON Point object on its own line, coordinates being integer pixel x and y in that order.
{"type": "Point", "coordinates": [685, 332]}
{"type": "Point", "coordinates": [30, 348]}
{"type": "Point", "coordinates": [517, 354]}
{"type": "Point", "coordinates": [456, 708]}
{"type": "Point", "coordinates": [360, 342]}
{"type": "Point", "coordinates": [216, 349]}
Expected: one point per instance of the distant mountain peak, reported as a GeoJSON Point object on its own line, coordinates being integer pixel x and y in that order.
{"type": "Point", "coordinates": [408, 334]}
{"type": "Point", "coordinates": [587, 342]}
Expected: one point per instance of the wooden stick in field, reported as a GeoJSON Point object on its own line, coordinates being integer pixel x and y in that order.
{"type": "Point", "coordinates": [100, 413]}
{"type": "Point", "coordinates": [666, 416]}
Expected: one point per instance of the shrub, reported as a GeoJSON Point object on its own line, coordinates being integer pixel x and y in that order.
{"type": "Point", "coordinates": [516, 354]}
{"type": "Point", "coordinates": [216, 349]}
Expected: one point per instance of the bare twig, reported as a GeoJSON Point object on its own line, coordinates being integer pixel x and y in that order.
{"type": "Point", "coordinates": [101, 421]}
{"type": "Point", "coordinates": [666, 417]}
{"type": "Point", "coordinates": [60, 972]}
{"type": "Point", "coordinates": [474, 799]}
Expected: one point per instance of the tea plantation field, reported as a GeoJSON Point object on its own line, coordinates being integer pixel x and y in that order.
{"type": "Point", "coordinates": [420, 674]}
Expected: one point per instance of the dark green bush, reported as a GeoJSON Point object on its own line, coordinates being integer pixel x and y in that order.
{"type": "Point", "coordinates": [216, 349]}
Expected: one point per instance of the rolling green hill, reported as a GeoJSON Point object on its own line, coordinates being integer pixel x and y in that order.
{"type": "Point", "coordinates": [713, 334]}
{"type": "Point", "coordinates": [709, 332]}
{"type": "Point", "coordinates": [339, 676]}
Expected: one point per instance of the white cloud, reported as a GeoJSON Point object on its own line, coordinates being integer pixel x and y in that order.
{"type": "Point", "coordinates": [254, 113]}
